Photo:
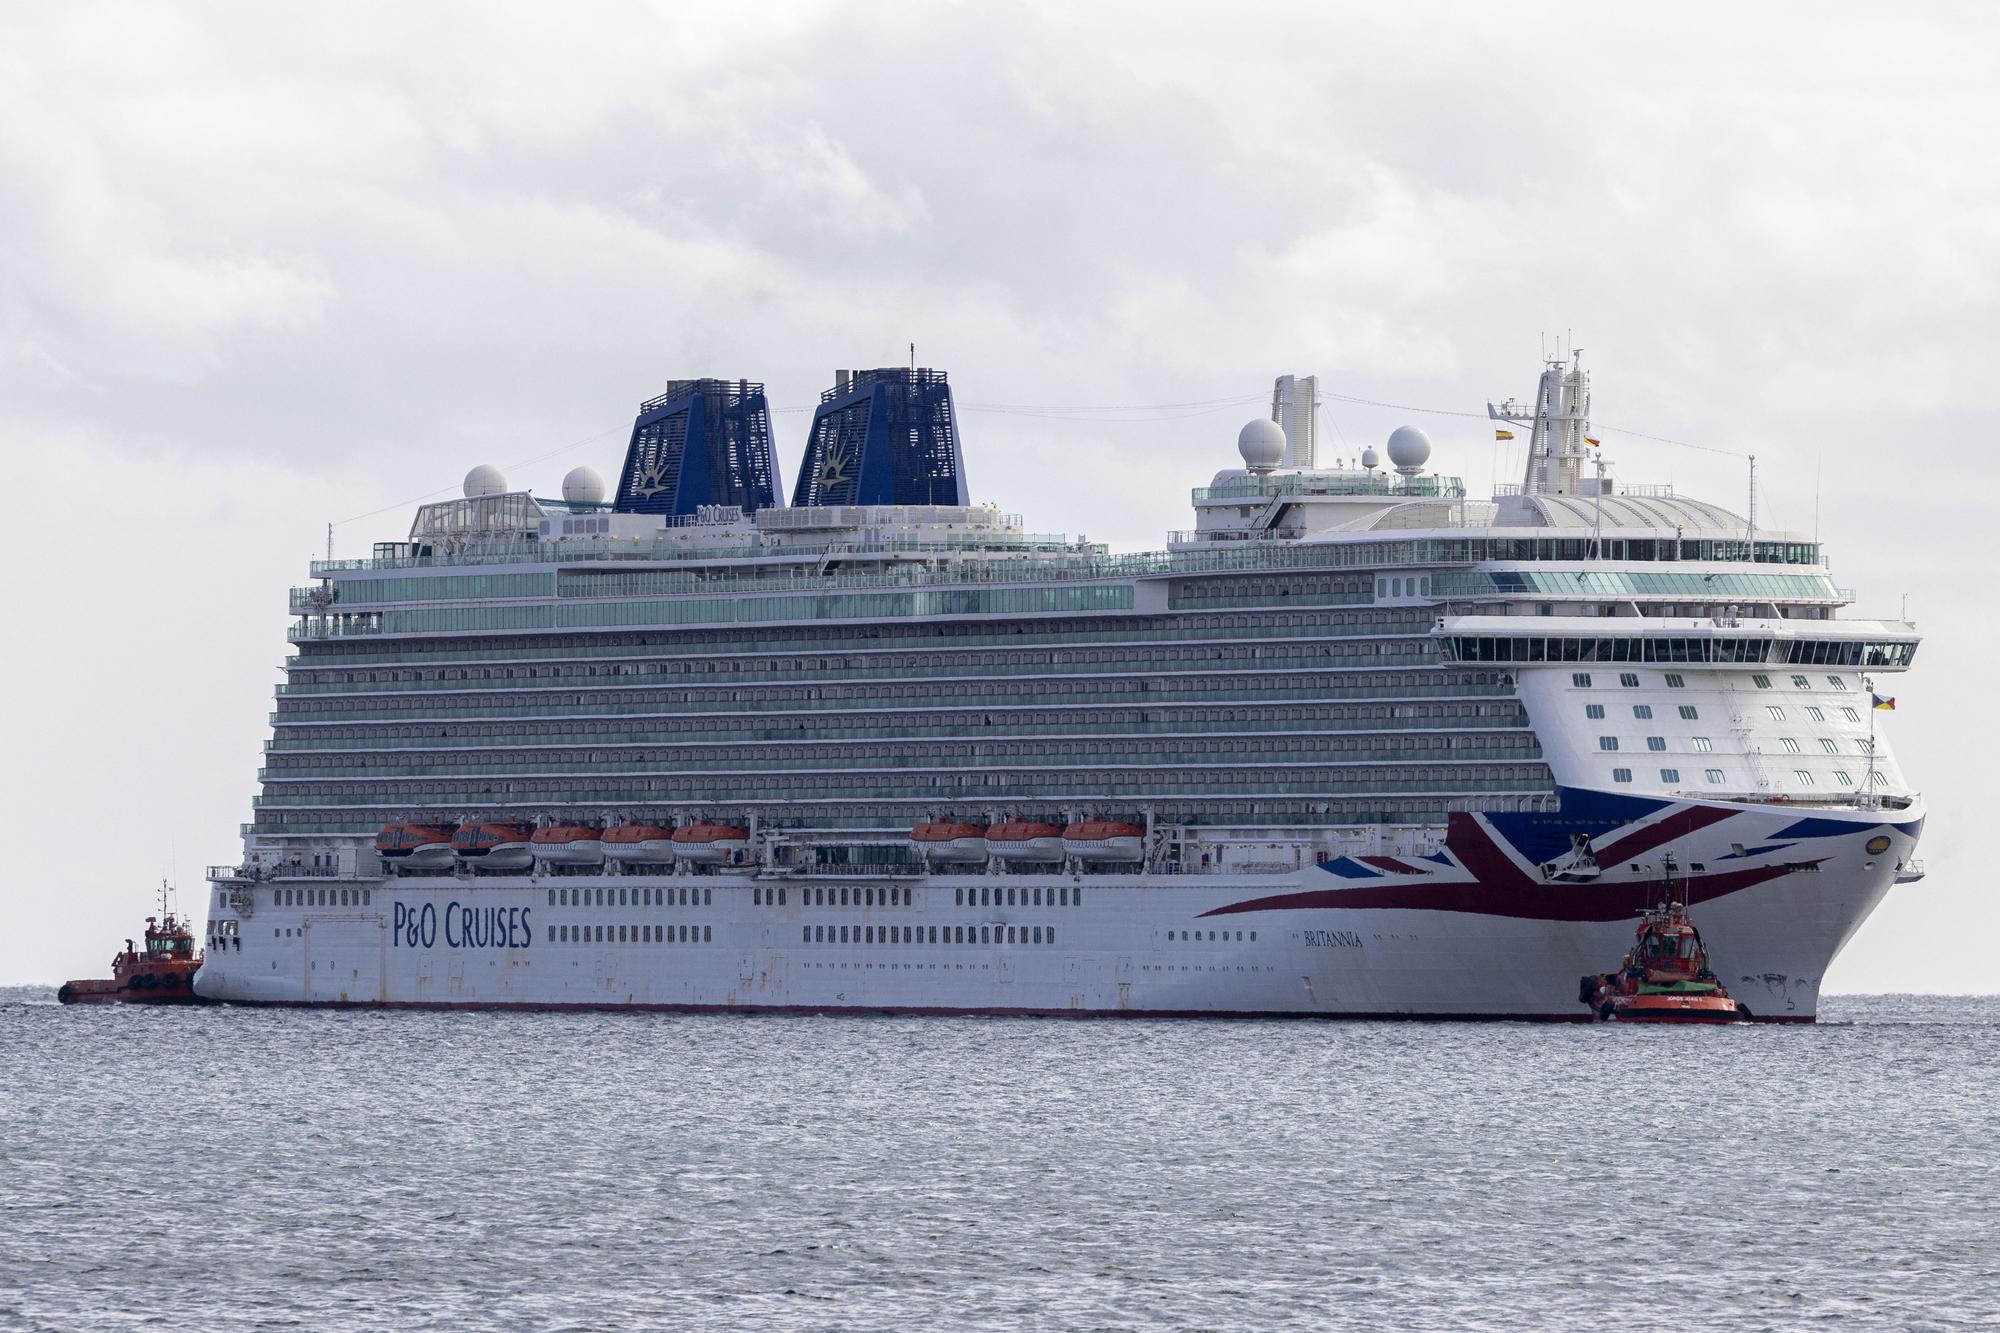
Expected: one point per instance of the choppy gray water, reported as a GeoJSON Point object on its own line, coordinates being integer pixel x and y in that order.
{"type": "Point", "coordinates": [236, 1168]}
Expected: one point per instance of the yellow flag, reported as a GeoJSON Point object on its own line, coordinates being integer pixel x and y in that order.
{"type": "Point", "coordinates": [1503, 434]}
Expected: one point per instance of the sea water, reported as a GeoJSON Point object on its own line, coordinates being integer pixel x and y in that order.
{"type": "Point", "coordinates": [198, 1169]}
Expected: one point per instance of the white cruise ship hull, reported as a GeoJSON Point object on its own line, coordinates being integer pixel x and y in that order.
{"type": "Point", "coordinates": [1477, 930]}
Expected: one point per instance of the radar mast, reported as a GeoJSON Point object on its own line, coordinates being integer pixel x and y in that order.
{"type": "Point", "coordinates": [1560, 426]}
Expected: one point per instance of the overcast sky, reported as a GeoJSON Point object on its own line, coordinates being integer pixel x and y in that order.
{"type": "Point", "coordinates": [265, 267]}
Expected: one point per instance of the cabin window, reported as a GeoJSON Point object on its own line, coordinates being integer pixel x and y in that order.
{"type": "Point", "coordinates": [1607, 742]}
{"type": "Point", "coordinates": [1594, 711]}
{"type": "Point", "coordinates": [1777, 714]}
{"type": "Point", "coordinates": [1670, 775]}
{"type": "Point", "coordinates": [1762, 682]}
{"type": "Point", "coordinates": [1656, 742]}
{"type": "Point", "coordinates": [1644, 712]}
{"type": "Point", "coordinates": [1791, 745]}
{"type": "Point", "coordinates": [1689, 712]}
{"type": "Point", "coordinates": [1621, 775]}
{"type": "Point", "coordinates": [1580, 679]}
{"type": "Point", "coordinates": [1715, 776]}
{"type": "Point", "coordinates": [1629, 679]}
{"type": "Point", "coordinates": [1801, 683]}
{"type": "Point", "coordinates": [1841, 776]}
{"type": "Point", "coordinates": [1837, 682]}
{"type": "Point", "coordinates": [1676, 681]}
{"type": "Point", "coordinates": [1702, 743]}
{"type": "Point", "coordinates": [1805, 778]}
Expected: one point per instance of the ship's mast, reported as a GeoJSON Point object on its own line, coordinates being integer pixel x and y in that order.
{"type": "Point", "coordinates": [1558, 422]}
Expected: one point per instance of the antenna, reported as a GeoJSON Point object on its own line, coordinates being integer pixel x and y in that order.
{"type": "Point", "coordinates": [329, 543]}
{"type": "Point", "coordinates": [913, 358]}
{"type": "Point", "coordinates": [1753, 509]}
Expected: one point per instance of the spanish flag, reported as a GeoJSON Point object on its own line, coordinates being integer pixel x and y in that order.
{"type": "Point", "coordinates": [1882, 701]}
{"type": "Point", "coordinates": [1503, 434]}
{"type": "Point", "coordinates": [1593, 443]}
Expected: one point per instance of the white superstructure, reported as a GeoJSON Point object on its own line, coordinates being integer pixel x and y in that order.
{"type": "Point", "coordinates": [1354, 744]}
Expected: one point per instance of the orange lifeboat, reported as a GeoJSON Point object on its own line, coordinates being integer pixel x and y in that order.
{"type": "Point", "coordinates": [569, 844]}
{"type": "Point", "coordinates": [949, 840]}
{"type": "Point", "coordinates": [495, 845]}
{"type": "Point", "coordinates": [1025, 840]}
{"type": "Point", "coordinates": [711, 844]}
{"type": "Point", "coordinates": [161, 973]}
{"type": "Point", "coordinates": [417, 846]}
{"type": "Point", "coordinates": [1105, 840]}
{"type": "Point", "coordinates": [639, 844]}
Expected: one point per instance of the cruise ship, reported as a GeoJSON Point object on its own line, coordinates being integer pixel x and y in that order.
{"type": "Point", "coordinates": [1354, 745]}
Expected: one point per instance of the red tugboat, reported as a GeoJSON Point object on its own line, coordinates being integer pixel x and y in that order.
{"type": "Point", "coordinates": [161, 973]}
{"type": "Point", "coordinates": [1666, 977]}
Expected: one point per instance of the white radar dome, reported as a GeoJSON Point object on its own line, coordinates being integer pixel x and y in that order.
{"type": "Point", "coordinates": [485, 480]}
{"type": "Point", "coordinates": [582, 486]}
{"type": "Point", "coordinates": [1409, 450]}
{"type": "Point", "coordinates": [1262, 444]}
{"type": "Point", "coordinates": [1370, 459]}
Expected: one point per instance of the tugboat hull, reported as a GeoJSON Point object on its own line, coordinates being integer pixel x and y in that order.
{"type": "Point", "coordinates": [1677, 1009]}
{"type": "Point", "coordinates": [164, 987]}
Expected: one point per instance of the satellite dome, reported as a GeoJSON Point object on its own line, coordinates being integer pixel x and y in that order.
{"type": "Point", "coordinates": [485, 480]}
{"type": "Point", "coordinates": [1262, 444]}
{"type": "Point", "coordinates": [1370, 459]}
{"type": "Point", "coordinates": [1409, 450]}
{"type": "Point", "coordinates": [582, 486]}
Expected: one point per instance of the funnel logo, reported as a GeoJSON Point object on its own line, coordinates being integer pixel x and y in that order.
{"type": "Point", "coordinates": [649, 481]}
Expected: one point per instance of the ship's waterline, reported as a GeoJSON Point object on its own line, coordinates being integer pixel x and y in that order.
{"type": "Point", "coordinates": [1354, 745]}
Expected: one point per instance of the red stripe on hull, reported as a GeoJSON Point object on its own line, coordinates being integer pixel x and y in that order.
{"type": "Point", "coordinates": [1514, 896]}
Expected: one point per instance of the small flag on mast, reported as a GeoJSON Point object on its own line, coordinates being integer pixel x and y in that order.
{"type": "Point", "coordinates": [1592, 442]}
{"type": "Point", "coordinates": [1882, 701]}
{"type": "Point", "coordinates": [1503, 434]}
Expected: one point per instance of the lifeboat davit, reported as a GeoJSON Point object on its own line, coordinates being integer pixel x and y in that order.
{"type": "Point", "coordinates": [639, 844]}
{"type": "Point", "coordinates": [1105, 840]}
{"type": "Point", "coordinates": [569, 844]}
{"type": "Point", "coordinates": [711, 844]}
{"type": "Point", "coordinates": [1024, 840]}
{"type": "Point", "coordinates": [1664, 979]}
{"type": "Point", "coordinates": [495, 845]}
{"type": "Point", "coordinates": [950, 841]}
{"type": "Point", "coordinates": [419, 846]}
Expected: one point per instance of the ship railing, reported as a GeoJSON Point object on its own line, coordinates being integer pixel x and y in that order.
{"type": "Point", "coordinates": [258, 874]}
